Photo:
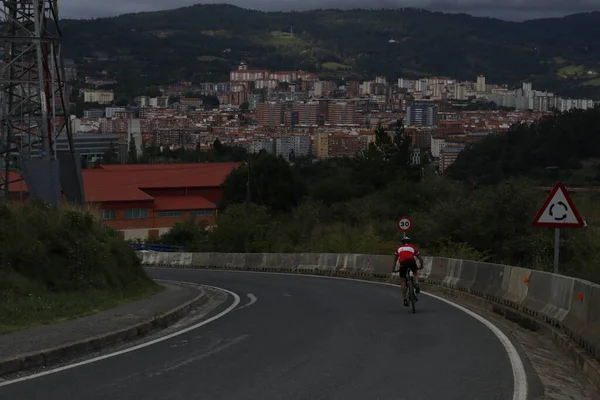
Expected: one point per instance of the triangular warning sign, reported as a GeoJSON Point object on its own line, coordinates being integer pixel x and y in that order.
{"type": "Point", "coordinates": [558, 210]}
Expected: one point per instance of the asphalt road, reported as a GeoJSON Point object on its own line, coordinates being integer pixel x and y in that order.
{"type": "Point", "coordinates": [304, 338]}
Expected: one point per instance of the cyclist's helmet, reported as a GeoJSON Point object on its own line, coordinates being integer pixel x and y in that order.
{"type": "Point", "coordinates": [405, 240]}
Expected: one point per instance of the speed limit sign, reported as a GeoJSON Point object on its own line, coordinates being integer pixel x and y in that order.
{"type": "Point", "coordinates": [404, 224]}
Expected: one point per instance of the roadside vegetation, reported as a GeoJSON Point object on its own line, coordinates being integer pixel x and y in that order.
{"type": "Point", "coordinates": [56, 266]}
{"type": "Point", "coordinates": [482, 210]}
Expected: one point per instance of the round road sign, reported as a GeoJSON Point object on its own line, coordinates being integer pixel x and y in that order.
{"type": "Point", "coordinates": [404, 224]}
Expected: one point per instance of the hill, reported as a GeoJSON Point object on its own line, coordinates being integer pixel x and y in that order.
{"type": "Point", "coordinates": [564, 146]}
{"type": "Point", "coordinates": [204, 42]}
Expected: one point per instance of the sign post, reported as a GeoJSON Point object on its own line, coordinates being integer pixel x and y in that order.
{"type": "Point", "coordinates": [404, 224]}
{"type": "Point", "coordinates": [558, 211]}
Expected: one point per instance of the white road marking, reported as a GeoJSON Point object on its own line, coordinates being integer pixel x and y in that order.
{"type": "Point", "coordinates": [253, 299]}
{"type": "Point", "coordinates": [520, 385]}
{"type": "Point", "coordinates": [236, 301]}
{"type": "Point", "coordinates": [519, 376]}
{"type": "Point", "coordinates": [228, 343]}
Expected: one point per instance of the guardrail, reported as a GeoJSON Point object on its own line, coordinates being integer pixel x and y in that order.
{"type": "Point", "coordinates": [569, 304]}
{"type": "Point", "coordinates": [156, 247]}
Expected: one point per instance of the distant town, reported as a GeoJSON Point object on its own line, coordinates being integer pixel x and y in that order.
{"type": "Point", "coordinates": [295, 114]}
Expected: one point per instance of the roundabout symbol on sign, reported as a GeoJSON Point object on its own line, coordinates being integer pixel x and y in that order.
{"type": "Point", "coordinates": [563, 215]}
{"type": "Point", "coordinates": [404, 224]}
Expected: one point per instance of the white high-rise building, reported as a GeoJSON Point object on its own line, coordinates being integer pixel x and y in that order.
{"type": "Point", "coordinates": [481, 86]}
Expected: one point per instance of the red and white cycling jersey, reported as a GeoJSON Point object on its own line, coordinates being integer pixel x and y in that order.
{"type": "Point", "coordinates": [406, 252]}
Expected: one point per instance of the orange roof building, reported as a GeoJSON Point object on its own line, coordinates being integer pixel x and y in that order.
{"type": "Point", "coordinates": [144, 201]}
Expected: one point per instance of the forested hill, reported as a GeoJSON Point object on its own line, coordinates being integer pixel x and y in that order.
{"type": "Point", "coordinates": [564, 146]}
{"type": "Point", "coordinates": [204, 42]}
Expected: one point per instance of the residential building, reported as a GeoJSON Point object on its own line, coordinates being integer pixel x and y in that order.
{"type": "Point", "coordinates": [448, 155]}
{"type": "Point", "coordinates": [270, 114]}
{"type": "Point", "coordinates": [111, 112]}
{"type": "Point", "coordinates": [191, 102]}
{"type": "Point", "coordinates": [98, 96]}
{"type": "Point", "coordinates": [89, 145]}
{"type": "Point", "coordinates": [341, 145]}
{"type": "Point", "coordinates": [93, 113]}
{"type": "Point", "coordinates": [341, 114]}
{"type": "Point", "coordinates": [307, 113]}
{"type": "Point", "coordinates": [284, 146]}
{"type": "Point", "coordinates": [321, 147]}
{"type": "Point", "coordinates": [422, 114]}
{"type": "Point", "coordinates": [243, 74]}
{"type": "Point", "coordinates": [301, 145]}
{"type": "Point", "coordinates": [481, 86]}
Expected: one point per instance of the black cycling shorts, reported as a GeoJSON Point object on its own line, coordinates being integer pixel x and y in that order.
{"type": "Point", "coordinates": [412, 264]}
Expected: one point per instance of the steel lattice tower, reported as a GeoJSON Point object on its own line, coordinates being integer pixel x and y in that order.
{"type": "Point", "coordinates": [33, 103]}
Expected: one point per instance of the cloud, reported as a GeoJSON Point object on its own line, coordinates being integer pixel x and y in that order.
{"type": "Point", "coordinates": [516, 10]}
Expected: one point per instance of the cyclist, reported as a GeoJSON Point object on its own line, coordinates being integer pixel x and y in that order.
{"type": "Point", "coordinates": [405, 255]}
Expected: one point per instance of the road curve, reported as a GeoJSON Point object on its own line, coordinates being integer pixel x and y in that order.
{"type": "Point", "coordinates": [304, 338]}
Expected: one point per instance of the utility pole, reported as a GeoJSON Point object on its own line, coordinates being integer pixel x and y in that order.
{"type": "Point", "coordinates": [33, 110]}
{"type": "Point", "coordinates": [247, 239]}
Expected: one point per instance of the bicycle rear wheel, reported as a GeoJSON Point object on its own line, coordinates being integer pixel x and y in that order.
{"type": "Point", "coordinates": [411, 295]}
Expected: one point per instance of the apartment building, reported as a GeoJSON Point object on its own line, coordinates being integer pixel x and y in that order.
{"type": "Point", "coordinates": [321, 145]}
{"type": "Point", "coordinates": [480, 85]}
{"type": "Point", "coordinates": [341, 113]}
{"type": "Point", "coordinates": [341, 145]}
{"type": "Point", "coordinates": [243, 74]}
{"type": "Point", "coordinates": [191, 102]}
{"type": "Point", "coordinates": [422, 114]}
{"type": "Point", "coordinates": [270, 114]}
{"type": "Point", "coordinates": [98, 96]}
{"type": "Point", "coordinates": [308, 114]}
{"type": "Point", "coordinates": [449, 154]}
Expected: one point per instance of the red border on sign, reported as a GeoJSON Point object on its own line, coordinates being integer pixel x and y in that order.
{"type": "Point", "coordinates": [398, 224]}
{"type": "Point", "coordinates": [558, 186]}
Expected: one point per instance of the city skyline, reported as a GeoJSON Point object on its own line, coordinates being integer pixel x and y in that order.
{"type": "Point", "coordinates": [512, 10]}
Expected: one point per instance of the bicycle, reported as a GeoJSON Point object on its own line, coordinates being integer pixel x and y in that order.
{"type": "Point", "coordinates": [410, 287]}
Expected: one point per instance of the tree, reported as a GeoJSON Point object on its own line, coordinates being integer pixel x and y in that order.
{"type": "Point", "coordinates": [132, 157]}
{"type": "Point", "coordinates": [244, 106]}
{"type": "Point", "coordinates": [243, 230]}
{"type": "Point", "coordinates": [273, 184]}
{"type": "Point", "coordinates": [190, 234]}
{"type": "Point", "coordinates": [110, 156]}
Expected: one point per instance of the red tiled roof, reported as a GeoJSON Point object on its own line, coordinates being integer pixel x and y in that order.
{"type": "Point", "coordinates": [164, 175]}
{"type": "Point", "coordinates": [183, 203]}
{"type": "Point", "coordinates": [126, 182]}
{"type": "Point", "coordinates": [100, 194]}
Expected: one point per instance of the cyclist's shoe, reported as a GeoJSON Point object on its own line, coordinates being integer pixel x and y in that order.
{"type": "Point", "coordinates": [417, 288]}
{"type": "Point", "coordinates": [405, 302]}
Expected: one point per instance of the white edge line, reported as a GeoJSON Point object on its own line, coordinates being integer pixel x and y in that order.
{"type": "Point", "coordinates": [520, 386]}
{"type": "Point", "coordinates": [236, 301]}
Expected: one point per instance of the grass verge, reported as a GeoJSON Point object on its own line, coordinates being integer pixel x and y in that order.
{"type": "Point", "coordinates": [60, 265]}
{"type": "Point", "coordinates": [22, 312]}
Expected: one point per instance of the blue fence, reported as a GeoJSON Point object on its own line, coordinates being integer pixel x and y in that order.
{"type": "Point", "coordinates": [156, 247]}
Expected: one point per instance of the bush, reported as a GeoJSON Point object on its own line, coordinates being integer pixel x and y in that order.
{"type": "Point", "coordinates": [63, 251]}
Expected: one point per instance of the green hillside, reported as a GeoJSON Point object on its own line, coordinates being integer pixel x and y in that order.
{"type": "Point", "coordinates": [204, 42]}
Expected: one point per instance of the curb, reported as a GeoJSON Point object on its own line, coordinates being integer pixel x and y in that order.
{"type": "Point", "coordinates": [50, 356]}
{"type": "Point", "coordinates": [587, 365]}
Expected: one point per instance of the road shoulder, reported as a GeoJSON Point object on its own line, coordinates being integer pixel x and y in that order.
{"type": "Point", "coordinates": [47, 345]}
{"type": "Point", "coordinates": [554, 369]}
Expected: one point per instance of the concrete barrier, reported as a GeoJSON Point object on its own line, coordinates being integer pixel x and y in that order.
{"type": "Point", "coordinates": [569, 304]}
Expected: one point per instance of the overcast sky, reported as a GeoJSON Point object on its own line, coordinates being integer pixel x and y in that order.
{"type": "Point", "coordinates": [516, 10]}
